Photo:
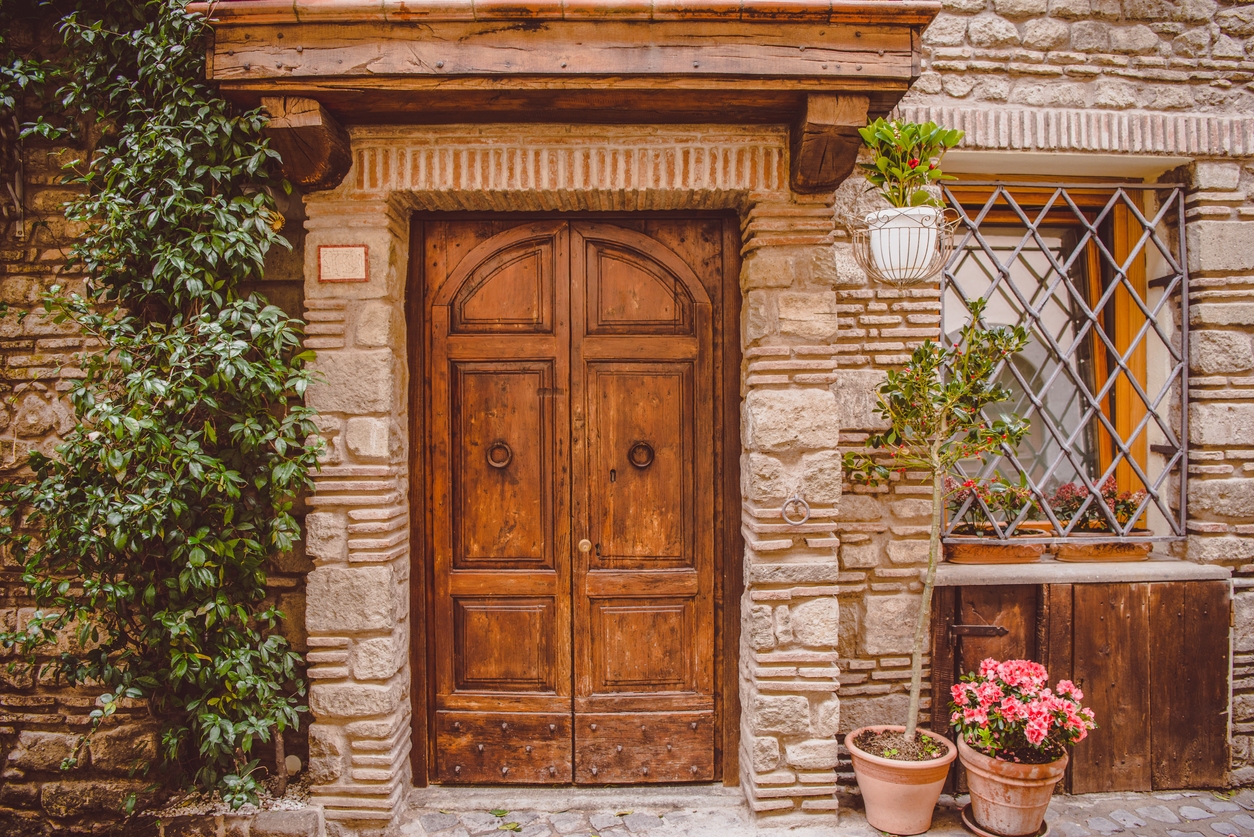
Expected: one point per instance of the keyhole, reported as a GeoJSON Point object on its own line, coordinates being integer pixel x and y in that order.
{"type": "Point", "coordinates": [613, 475]}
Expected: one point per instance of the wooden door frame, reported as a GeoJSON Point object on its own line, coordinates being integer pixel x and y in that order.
{"type": "Point", "coordinates": [728, 539]}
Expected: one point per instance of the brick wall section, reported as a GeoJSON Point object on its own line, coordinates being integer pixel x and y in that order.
{"type": "Point", "coordinates": [40, 721]}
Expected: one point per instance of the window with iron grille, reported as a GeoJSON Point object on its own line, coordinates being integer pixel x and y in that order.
{"type": "Point", "coordinates": [1096, 274]}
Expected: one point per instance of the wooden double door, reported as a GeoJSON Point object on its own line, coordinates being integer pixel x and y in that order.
{"type": "Point", "coordinates": [572, 437]}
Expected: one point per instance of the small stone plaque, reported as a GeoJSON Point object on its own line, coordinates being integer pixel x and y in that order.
{"type": "Point", "coordinates": [343, 263]}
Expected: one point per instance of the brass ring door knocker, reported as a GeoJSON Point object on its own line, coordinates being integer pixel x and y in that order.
{"type": "Point", "coordinates": [800, 510]}
{"type": "Point", "coordinates": [640, 455]}
{"type": "Point", "coordinates": [499, 455]}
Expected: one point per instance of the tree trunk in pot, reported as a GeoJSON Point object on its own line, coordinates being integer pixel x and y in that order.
{"type": "Point", "coordinates": [899, 796]}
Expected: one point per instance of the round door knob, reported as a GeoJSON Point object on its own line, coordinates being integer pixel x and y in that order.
{"type": "Point", "coordinates": [585, 545]}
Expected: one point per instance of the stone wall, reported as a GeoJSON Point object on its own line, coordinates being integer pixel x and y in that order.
{"type": "Point", "coordinates": [41, 720]}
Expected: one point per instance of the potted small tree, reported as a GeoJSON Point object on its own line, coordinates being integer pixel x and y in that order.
{"type": "Point", "coordinates": [934, 408]}
{"type": "Point", "coordinates": [906, 160]}
{"type": "Point", "coordinates": [1013, 734]}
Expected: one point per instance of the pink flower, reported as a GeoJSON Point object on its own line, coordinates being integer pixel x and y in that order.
{"type": "Point", "coordinates": [1068, 688]}
{"type": "Point", "coordinates": [1036, 732]}
{"type": "Point", "coordinates": [959, 693]}
{"type": "Point", "coordinates": [988, 694]}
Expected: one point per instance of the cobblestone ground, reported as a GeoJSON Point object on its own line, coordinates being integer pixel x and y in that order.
{"type": "Point", "coordinates": [714, 812]}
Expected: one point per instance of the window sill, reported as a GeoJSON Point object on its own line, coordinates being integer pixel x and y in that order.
{"type": "Point", "coordinates": [1049, 571]}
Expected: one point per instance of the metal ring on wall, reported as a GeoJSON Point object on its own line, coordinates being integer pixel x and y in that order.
{"type": "Point", "coordinates": [795, 500]}
{"type": "Point", "coordinates": [499, 455]}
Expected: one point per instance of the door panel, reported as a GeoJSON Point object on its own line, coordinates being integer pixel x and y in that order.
{"type": "Point", "coordinates": [643, 499]}
{"type": "Point", "coordinates": [570, 379]}
{"type": "Point", "coordinates": [499, 431]}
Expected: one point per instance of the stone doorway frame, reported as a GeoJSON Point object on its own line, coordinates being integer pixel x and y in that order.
{"type": "Point", "coordinates": [729, 581]}
{"type": "Point", "coordinates": [358, 526]}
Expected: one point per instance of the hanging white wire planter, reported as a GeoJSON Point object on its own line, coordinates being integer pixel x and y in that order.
{"type": "Point", "coordinates": [904, 247]}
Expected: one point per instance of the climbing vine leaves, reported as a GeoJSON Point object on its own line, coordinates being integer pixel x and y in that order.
{"type": "Point", "coordinates": [145, 539]}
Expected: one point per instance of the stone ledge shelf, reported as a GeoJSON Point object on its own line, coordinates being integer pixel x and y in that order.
{"type": "Point", "coordinates": [1049, 571]}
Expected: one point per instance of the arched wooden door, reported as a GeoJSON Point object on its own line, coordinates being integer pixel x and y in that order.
{"type": "Point", "coordinates": [571, 499]}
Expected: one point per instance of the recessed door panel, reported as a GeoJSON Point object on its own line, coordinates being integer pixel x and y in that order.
{"type": "Point", "coordinates": [623, 663]}
{"type": "Point", "coordinates": [504, 644]}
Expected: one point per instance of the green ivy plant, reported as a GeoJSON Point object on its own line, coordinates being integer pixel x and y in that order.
{"type": "Point", "coordinates": [145, 540]}
{"type": "Point", "coordinates": [906, 159]}
{"type": "Point", "coordinates": [935, 408]}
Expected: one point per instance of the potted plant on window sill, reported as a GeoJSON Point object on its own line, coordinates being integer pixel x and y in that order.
{"type": "Point", "coordinates": [978, 542]}
{"type": "Point", "coordinates": [933, 423]}
{"type": "Point", "coordinates": [1013, 735]}
{"type": "Point", "coordinates": [1069, 501]}
{"type": "Point", "coordinates": [906, 157]}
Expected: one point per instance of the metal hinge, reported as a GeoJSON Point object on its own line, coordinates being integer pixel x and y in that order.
{"type": "Point", "coordinates": [956, 631]}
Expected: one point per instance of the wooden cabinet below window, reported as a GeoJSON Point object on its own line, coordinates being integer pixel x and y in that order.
{"type": "Point", "coordinates": [1151, 658]}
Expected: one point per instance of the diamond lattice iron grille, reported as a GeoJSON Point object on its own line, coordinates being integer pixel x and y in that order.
{"type": "Point", "coordinates": [1097, 275]}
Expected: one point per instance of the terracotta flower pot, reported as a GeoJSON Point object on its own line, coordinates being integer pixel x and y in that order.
{"type": "Point", "coordinates": [976, 550]}
{"type": "Point", "coordinates": [1009, 798]}
{"type": "Point", "coordinates": [900, 796]}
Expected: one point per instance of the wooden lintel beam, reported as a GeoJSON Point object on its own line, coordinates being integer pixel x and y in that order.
{"type": "Point", "coordinates": [825, 140]}
{"type": "Point", "coordinates": [315, 148]}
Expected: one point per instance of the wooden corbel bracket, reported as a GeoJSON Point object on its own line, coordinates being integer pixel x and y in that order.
{"type": "Point", "coordinates": [825, 140]}
{"type": "Point", "coordinates": [315, 148]}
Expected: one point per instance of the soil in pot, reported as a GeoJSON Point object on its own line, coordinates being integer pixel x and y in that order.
{"type": "Point", "coordinates": [892, 744]}
{"type": "Point", "coordinates": [900, 796]}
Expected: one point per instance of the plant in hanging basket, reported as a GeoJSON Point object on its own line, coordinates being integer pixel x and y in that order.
{"type": "Point", "coordinates": [908, 243]}
{"type": "Point", "coordinates": [971, 502]}
{"type": "Point", "coordinates": [934, 422]}
{"type": "Point", "coordinates": [1013, 735]}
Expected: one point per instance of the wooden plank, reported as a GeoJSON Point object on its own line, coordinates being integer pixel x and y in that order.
{"type": "Point", "coordinates": [727, 338]}
{"type": "Point", "coordinates": [943, 603]}
{"type": "Point", "coordinates": [615, 749]}
{"type": "Point", "coordinates": [1112, 666]}
{"type": "Point", "coordinates": [420, 693]}
{"type": "Point", "coordinates": [564, 49]}
{"type": "Point", "coordinates": [641, 583]}
{"type": "Point", "coordinates": [825, 140]}
{"type": "Point", "coordinates": [1188, 622]}
{"type": "Point", "coordinates": [315, 148]}
{"type": "Point", "coordinates": [1011, 606]}
{"type": "Point", "coordinates": [1054, 640]}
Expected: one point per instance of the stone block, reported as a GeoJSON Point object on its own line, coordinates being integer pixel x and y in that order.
{"type": "Point", "coordinates": [861, 556]}
{"type": "Point", "coordinates": [326, 754]}
{"type": "Point", "coordinates": [1221, 424]}
{"type": "Point", "coordinates": [965, 6]}
{"type": "Point", "coordinates": [1046, 34]}
{"type": "Point", "coordinates": [326, 536]}
{"type": "Point", "coordinates": [66, 799]}
{"type": "Point", "coordinates": [124, 749]}
{"type": "Point", "coordinates": [769, 267]}
{"type": "Point", "coordinates": [303, 822]}
{"type": "Point", "coordinates": [348, 600]}
{"type": "Point", "coordinates": [1133, 40]}
{"type": "Point", "coordinates": [857, 397]}
{"type": "Point", "coordinates": [888, 627]}
{"type": "Point", "coordinates": [810, 315]}
{"type": "Point", "coordinates": [1194, 43]}
{"type": "Point", "coordinates": [1196, 11]}
{"type": "Point", "coordinates": [1238, 21]}
{"type": "Point", "coordinates": [377, 658]}
{"type": "Point", "coordinates": [1243, 617]}
{"type": "Point", "coordinates": [373, 324]}
{"type": "Point", "coordinates": [1226, 47]}
{"type": "Point", "coordinates": [1220, 352]}
{"type": "Point", "coordinates": [353, 700]}
{"type": "Point", "coordinates": [1070, 9]}
{"type": "Point", "coordinates": [764, 479]}
{"type": "Point", "coordinates": [41, 750]}
{"type": "Point", "coordinates": [1020, 8]}
{"type": "Point", "coordinates": [791, 420]}
{"type": "Point", "coordinates": [859, 507]}
{"type": "Point", "coordinates": [825, 717]}
{"type": "Point", "coordinates": [989, 30]}
{"type": "Point", "coordinates": [1220, 550]}
{"type": "Point", "coordinates": [760, 315]}
{"type": "Point", "coordinates": [367, 438]}
{"type": "Point", "coordinates": [1223, 246]}
{"type": "Point", "coordinates": [353, 382]}
{"type": "Point", "coordinates": [912, 509]}
{"type": "Point", "coordinates": [760, 629]}
{"type": "Point", "coordinates": [190, 826]}
{"type": "Point", "coordinates": [858, 712]}
{"type": "Point", "coordinates": [821, 477]}
{"type": "Point", "coordinates": [816, 623]}
{"type": "Point", "coordinates": [764, 754]}
{"type": "Point", "coordinates": [819, 754]}
{"type": "Point", "coordinates": [1110, 93]}
{"type": "Point", "coordinates": [908, 552]}
{"type": "Point", "coordinates": [1090, 36]}
{"type": "Point", "coordinates": [783, 714]}
{"type": "Point", "coordinates": [816, 572]}
{"type": "Point", "coordinates": [1226, 498]}
{"type": "Point", "coordinates": [946, 30]}
{"type": "Point", "coordinates": [783, 624]}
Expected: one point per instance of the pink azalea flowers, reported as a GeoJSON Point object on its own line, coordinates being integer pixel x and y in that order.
{"type": "Point", "coordinates": [1007, 711]}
